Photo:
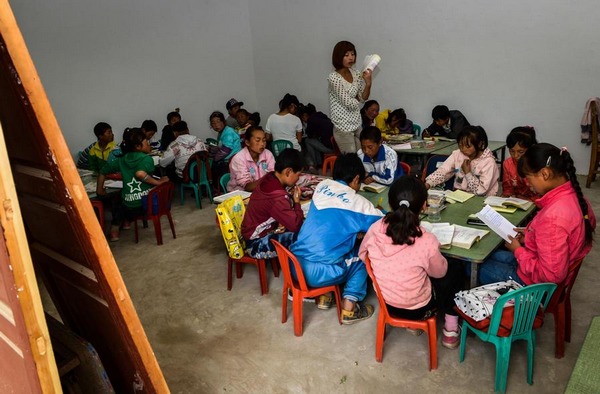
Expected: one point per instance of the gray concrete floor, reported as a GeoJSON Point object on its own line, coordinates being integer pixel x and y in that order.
{"type": "Point", "coordinates": [210, 340]}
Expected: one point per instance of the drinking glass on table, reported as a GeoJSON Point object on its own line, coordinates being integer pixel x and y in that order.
{"type": "Point", "coordinates": [434, 200]}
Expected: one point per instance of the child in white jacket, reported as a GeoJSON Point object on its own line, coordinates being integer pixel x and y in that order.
{"type": "Point", "coordinates": [473, 165]}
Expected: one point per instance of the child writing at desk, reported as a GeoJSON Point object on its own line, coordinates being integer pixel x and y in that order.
{"type": "Point", "coordinates": [473, 165]}
{"type": "Point", "coordinates": [561, 232]}
{"type": "Point", "coordinates": [518, 141]}
{"type": "Point", "coordinates": [136, 167]}
{"type": "Point", "coordinates": [380, 161]}
{"type": "Point", "coordinates": [415, 279]}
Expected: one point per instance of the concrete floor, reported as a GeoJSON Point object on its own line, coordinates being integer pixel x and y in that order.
{"type": "Point", "coordinates": [210, 340]}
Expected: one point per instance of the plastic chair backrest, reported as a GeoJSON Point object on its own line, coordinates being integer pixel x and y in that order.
{"type": "Point", "coordinates": [285, 259]}
{"type": "Point", "coordinates": [197, 169]}
{"type": "Point", "coordinates": [416, 129]}
{"type": "Point", "coordinates": [328, 165]}
{"type": "Point", "coordinates": [224, 181]}
{"type": "Point", "coordinates": [405, 167]}
{"type": "Point", "coordinates": [382, 305]}
{"type": "Point", "coordinates": [336, 148]}
{"type": "Point", "coordinates": [230, 214]}
{"type": "Point", "coordinates": [212, 141]}
{"type": "Point", "coordinates": [526, 300]}
{"type": "Point", "coordinates": [564, 289]}
{"type": "Point", "coordinates": [280, 145]}
{"type": "Point", "coordinates": [158, 201]}
{"type": "Point", "coordinates": [432, 164]}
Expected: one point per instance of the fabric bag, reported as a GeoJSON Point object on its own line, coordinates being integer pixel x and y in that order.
{"type": "Point", "coordinates": [219, 153]}
{"type": "Point", "coordinates": [478, 302]}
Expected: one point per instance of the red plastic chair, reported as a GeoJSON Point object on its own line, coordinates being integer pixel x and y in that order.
{"type": "Point", "coordinates": [405, 167]}
{"type": "Point", "coordinates": [159, 204]}
{"type": "Point", "coordinates": [336, 148]}
{"type": "Point", "coordinates": [328, 165]}
{"type": "Point", "coordinates": [560, 307]}
{"type": "Point", "coordinates": [99, 211]}
{"type": "Point", "coordinates": [299, 288]}
{"type": "Point", "coordinates": [428, 326]}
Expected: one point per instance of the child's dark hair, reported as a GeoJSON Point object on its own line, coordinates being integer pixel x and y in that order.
{"type": "Point", "coordinates": [149, 125]}
{"type": "Point", "coordinates": [347, 166]}
{"type": "Point", "coordinates": [132, 138]}
{"type": "Point", "coordinates": [288, 100]}
{"type": "Point", "coordinates": [173, 114]}
{"type": "Point", "coordinates": [440, 112]}
{"type": "Point", "coordinates": [217, 114]}
{"type": "Point", "coordinates": [307, 109]}
{"type": "Point", "coordinates": [289, 158]}
{"type": "Point", "coordinates": [180, 127]}
{"type": "Point", "coordinates": [475, 136]}
{"type": "Point", "coordinates": [254, 118]}
{"type": "Point", "coordinates": [100, 128]}
{"type": "Point", "coordinates": [406, 196]}
{"type": "Point", "coordinates": [371, 133]}
{"type": "Point", "coordinates": [522, 135]}
{"type": "Point", "coordinates": [397, 114]}
{"type": "Point", "coordinates": [250, 130]}
{"type": "Point", "coordinates": [560, 162]}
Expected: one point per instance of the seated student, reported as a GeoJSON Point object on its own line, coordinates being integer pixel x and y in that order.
{"type": "Point", "coordinates": [229, 144]}
{"type": "Point", "coordinates": [380, 161]}
{"type": "Point", "coordinates": [167, 132]}
{"type": "Point", "coordinates": [285, 125]}
{"type": "Point", "coordinates": [394, 122]}
{"type": "Point", "coordinates": [327, 246]}
{"type": "Point", "coordinates": [446, 123]}
{"type": "Point", "coordinates": [136, 167]}
{"type": "Point", "coordinates": [233, 106]}
{"type": "Point", "coordinates": [473, 165]}
{"type": "Point", "coordinates": [369, 112]}
{"type": "Point", "coordinates": [407, 262]}
{"type": "Point", "coordinates": [100, 151]}
{"type": "Point", "coordinates": [83, 160]}
{"type": "Point", "coordinates": [243, 119]}
{"type": "Point", "coordinates": [272, 213]}
{"type": "Point", "coordinates": [250, 164]}
{"type": "Point", "coordinates": [318, 128]}
{"type": "Point", "coordinates": [560, 233]}
{"type": "Point", "coordinates": [149, 128]}
{"type": "Point", "coordinates": [182, 148]}
{"type": "Point", "coordinates": [518, 141]}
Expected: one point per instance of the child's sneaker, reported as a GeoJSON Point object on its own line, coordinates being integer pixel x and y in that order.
{"type": "Point", "coordinates": [291, 298]}
{"type": "Point", "coordinates": [451, 339]}
{"type": "Point", "coordinates": [361, 312]}
{"type": "Point", "coordinates": [126, 225]}
{"type": "Point", "coordinates": [325, 301]}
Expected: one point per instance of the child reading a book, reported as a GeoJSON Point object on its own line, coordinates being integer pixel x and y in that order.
{"type": "Point", "coordinates": [380, 161]}
{"type": "Point", "coordinates": [558, 235]}
{"type": "Point", "coordinates": [473, 165]}
{"type": "Point", "coordinates": [413, 276]}
{"type": "Point", "coordinates": [327, 245]}
{"type": "Point", "coordinates": [518, 141]}
{"type": "Point", "coordinates": [272, 212]}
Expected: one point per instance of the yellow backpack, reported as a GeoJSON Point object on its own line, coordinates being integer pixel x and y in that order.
{"type": "Point", "coordinates": [230, 214]}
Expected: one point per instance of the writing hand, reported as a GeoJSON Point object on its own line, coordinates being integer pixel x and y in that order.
{"type": "Point", "coordinates": [368, 180]}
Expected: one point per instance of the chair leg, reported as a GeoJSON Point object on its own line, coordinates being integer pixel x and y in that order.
{"type": "Point", "coordinates": [463, 341]}
{"type": "Point", "coordinates": [181, 194]}
{"type": "Point", "coordinates": [297, 307]}
{"type": "Point", "coordinates": [135, 226]}
{"type": "Point", "coordinates": [198, 197]}
{"type": "Point", "coordinates": [502, 360]}
{"type": "Point", "coordinates": [530, 357]}
{"type": "Point", "coordinates": [275, 267]}
{"type": "Point", "coordinates": [239, 269]}
{"type": "Point", "coordinates": [284, 301]}
{"type": "Point", "coordinates": [432, 333]}
{"type": "Point", "coordinates": [157, 230]}
{"type": "Point", "coordinates": [380, 337]}
{"type": "Point", "coordinates": [262, 276]}
{"type": "Point", "coordinates": [559, 331]}
{"type": "Point", "coordinates": [568, 319]}
{"type": "Point", "coordinates": [171, 224]}
{"type": "Point", "coordinates": [229, 273]}
{"type": "Point", "coordinates": [338, 302]}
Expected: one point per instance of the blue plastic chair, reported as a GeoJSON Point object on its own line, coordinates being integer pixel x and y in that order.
{"type": "Point", "coordinates": [224, 181]}
{"type": "Point", "coordinates": [527, 301]}
{"type": "Point", "coordinates": [279, 145]}
{"type": "Point", "coordinates": [195, 175]}
{"type": "Point", "coordinates": [416, 129]}
{"type": "Point", "coordinates": [432, 164]}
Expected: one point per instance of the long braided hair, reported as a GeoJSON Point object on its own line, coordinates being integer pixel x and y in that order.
{"type": "Point", "coordinates": [560, 162]}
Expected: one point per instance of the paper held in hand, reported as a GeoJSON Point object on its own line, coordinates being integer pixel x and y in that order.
{"type": "Point", "coordinates": [371, 61]}
{"type": "Point", "coordinates": [497, 223]}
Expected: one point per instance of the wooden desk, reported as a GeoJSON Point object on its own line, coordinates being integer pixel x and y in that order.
{"type": "Point", "coordinates": [458, 213]}
{"type": "Point", "coordinates": [585, 377]}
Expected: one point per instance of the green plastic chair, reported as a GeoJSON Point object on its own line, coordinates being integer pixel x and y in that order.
{"type": "Point", "coordinates": [224, 181]}
{"type": "Point", "coordinates": [212, 141]}
{"type": "Point", "coordinates": [526, 300]}
{"type": "Point", "coordinates": [195, 175]}
{"type": "Point", "coordinates": [279, 145]}
{"type": "Point", "coordinates": [416, 129]}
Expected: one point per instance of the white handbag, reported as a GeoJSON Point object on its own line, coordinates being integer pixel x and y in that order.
{"type": "Point", "coordinates": [478, 302]}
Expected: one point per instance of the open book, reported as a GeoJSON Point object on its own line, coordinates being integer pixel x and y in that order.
{"type": "Point", "coordinates": [465, 237]}
{"type": "Point", "coordinates": [244, 194]}
{"type": "Point", "coordinates": [458, 196]}
{"type": "Point", "coordinates": [507, 202]}
{"type": "Point", "coordinates": [444, 232]}
{"type": "Point", "coordinates": [372, 187]}
{"type": "Point", "coordinates": [371, 61]}
{"type": "Point", "coordinates": [497, 223]}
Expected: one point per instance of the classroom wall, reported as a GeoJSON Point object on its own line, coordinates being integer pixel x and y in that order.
{"type": "Point", "coordinates": [502, 64]}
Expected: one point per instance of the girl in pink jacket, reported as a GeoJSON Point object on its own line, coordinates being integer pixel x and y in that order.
{"type": "Point", "coordinates": [473, 165]}
{"type": "Point", "coordinates": [560, 233]}
{"type": "Point", "coordinates": [413, 276]}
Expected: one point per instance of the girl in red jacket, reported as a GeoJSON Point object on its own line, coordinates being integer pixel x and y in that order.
{"type": "Point", "coordinates": [518, 141]}
{"type": "Point", "coordinates": [560, 233]}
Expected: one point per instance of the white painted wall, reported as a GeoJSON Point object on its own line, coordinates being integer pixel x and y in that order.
{"type": "Point", "coordinates": [503, 64]}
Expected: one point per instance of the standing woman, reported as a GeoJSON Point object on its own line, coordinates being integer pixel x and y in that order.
{"type": "Point", "coordinates": [347, 89]}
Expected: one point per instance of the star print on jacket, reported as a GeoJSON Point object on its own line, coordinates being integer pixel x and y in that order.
{"type": "Point", "coordinates": [134, 185]}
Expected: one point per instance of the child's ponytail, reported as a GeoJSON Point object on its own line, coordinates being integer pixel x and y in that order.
{"type": "Point", "coordinates": [406, 197]}
{"type": "Point", "coordinates": [570, 171]}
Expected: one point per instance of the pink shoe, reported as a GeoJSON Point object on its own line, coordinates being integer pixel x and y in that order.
{"type": "Point", "coordinates": [451, 339]}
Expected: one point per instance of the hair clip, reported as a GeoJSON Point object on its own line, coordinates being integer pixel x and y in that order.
{"type": "Point", "coordinates": [563, 149]}
{"type": "Point", "coordinates": [549, 161]}
{"type": "Point", "coordinates": [405, 203]}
